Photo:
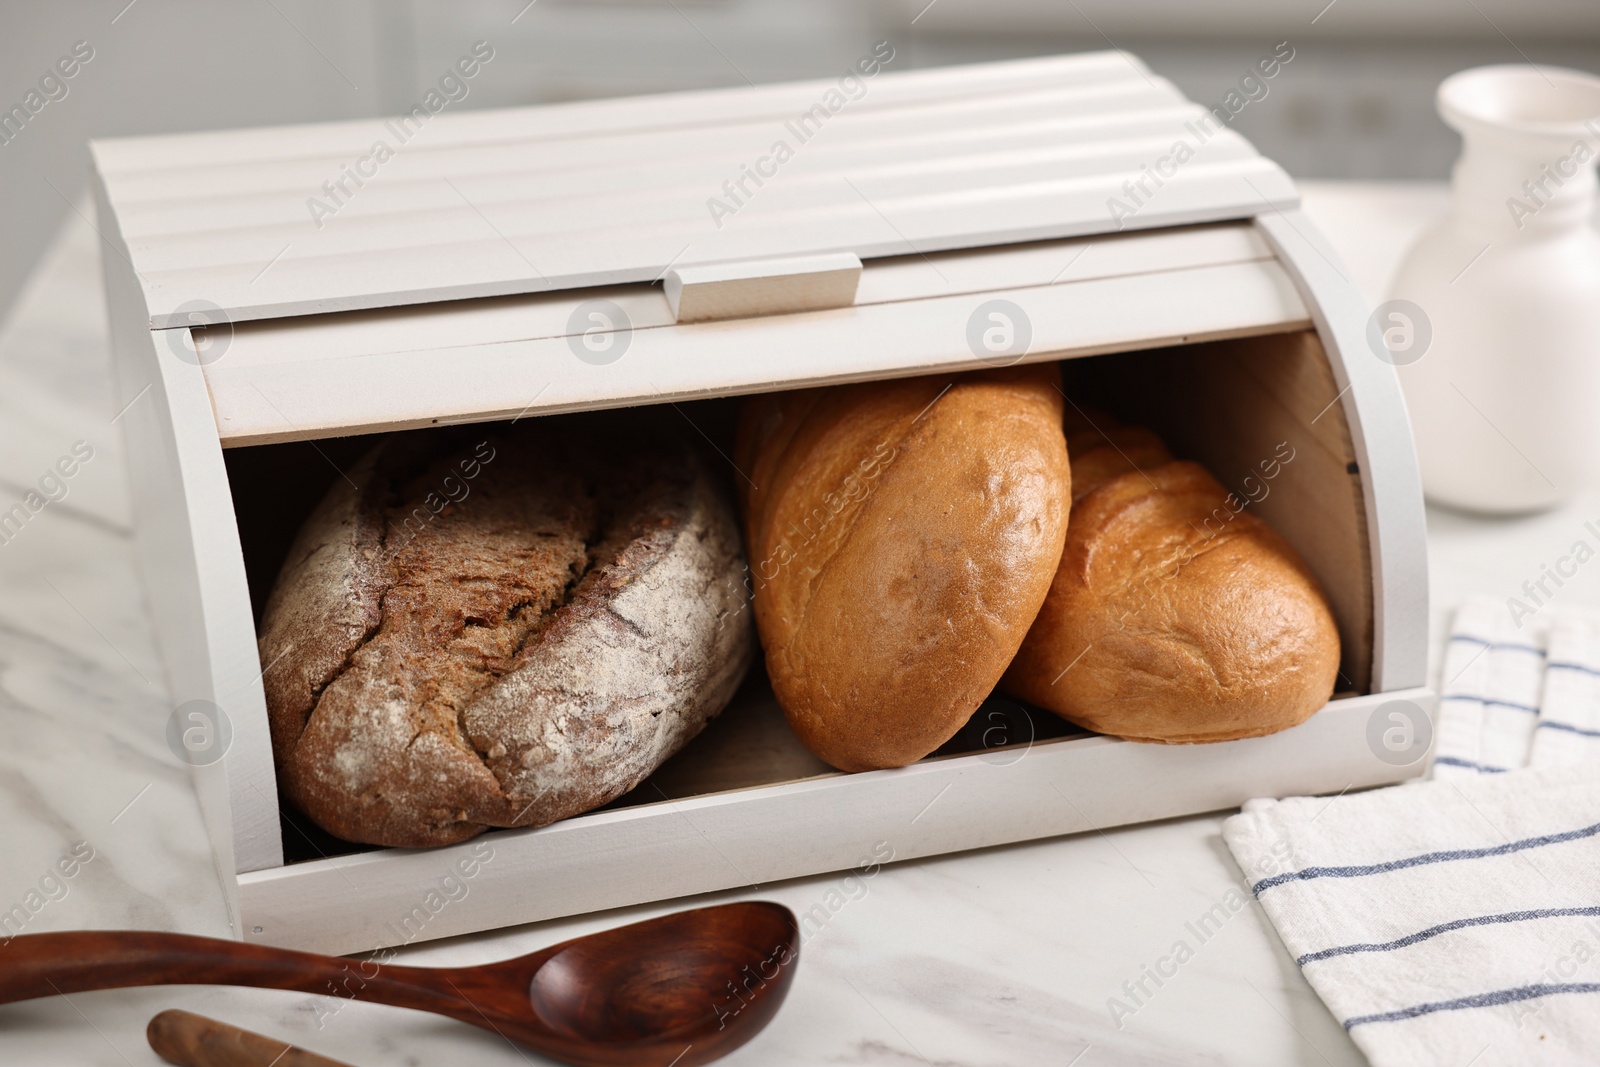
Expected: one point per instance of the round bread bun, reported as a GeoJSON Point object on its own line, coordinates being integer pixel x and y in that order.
{"type": "Point", "coordinates": [902, 535]}
{"type": "Point", "coordinates": [1174, 617]}
{"type": "Point", "coordinates": [499, 629]}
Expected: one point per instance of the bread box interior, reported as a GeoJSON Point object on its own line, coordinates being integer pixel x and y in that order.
{"type": "Point", "coordinates": [1215, 317]}
{"type": "Point", "coordinates": [1240, 406]}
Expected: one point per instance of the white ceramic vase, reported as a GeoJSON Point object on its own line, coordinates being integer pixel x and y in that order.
{"type": "Point", "coordinates": [1495, 325]}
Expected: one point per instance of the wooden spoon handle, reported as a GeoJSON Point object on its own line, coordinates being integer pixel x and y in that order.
{"type": "Point", "coordinates": [191, 1040]}
{"type": "Point", "coordinates": [43, 965]}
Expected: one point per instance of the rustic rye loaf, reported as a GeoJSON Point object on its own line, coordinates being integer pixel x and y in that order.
{"type": "Point", "coordinates": [502, 629]}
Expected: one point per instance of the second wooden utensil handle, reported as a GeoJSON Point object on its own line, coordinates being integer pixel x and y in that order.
{"type": "Point", "coordinates": [191, 1040]}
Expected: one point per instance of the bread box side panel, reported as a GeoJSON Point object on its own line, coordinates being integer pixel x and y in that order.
{"type": "Point", "coordinates": [187, 546]}
{"type": "Point", "coordinates": [1380, 431]}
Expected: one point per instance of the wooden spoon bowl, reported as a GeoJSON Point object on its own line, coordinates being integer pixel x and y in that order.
{"type": "Point", "coordinates": [612, 986]}
{"type": "Point", "coordinates": [685, 988]}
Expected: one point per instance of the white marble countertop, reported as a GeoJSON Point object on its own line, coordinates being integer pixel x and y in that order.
{"type": "Point", "coordinates": [1003, 956]}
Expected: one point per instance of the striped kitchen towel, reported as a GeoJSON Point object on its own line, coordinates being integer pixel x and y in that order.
{"type": "Point", "coordinates": [1489, 693]}
{"type": "Point", "coordinates": [1518, 695]}
{"type": "Point", "coordinates": [1453, 921]}
{"type": "Point", "coordinates": [1568, 730]}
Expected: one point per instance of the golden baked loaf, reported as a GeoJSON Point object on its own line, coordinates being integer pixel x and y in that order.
{"type": "Point", "coordinates": [1176, 615]}
{"type": "Point", "coordinates": [901, 538]}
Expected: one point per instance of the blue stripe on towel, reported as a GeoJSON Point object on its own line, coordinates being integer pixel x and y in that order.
{"type": "Point", "coordinates": [1425, 858]}
{"type": "Point", "coordinates": [1444, 928]}
{"type": "Point", "coordinates": [1568, 727]}
{"type": "Point", "coordinates": [1490, 703]}
{"type": "Point", "coordinates": [1453, 761]}
{"type": "Point", "coordinates": [1580, 668]}
{"type": "Point", "coordinates": [1469, 639]}
{"type": "Point", "coordinates": [1477, 1000]}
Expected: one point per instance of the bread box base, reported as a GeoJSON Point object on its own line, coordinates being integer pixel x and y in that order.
{"type": "Point", "coordinates": [831, 822]}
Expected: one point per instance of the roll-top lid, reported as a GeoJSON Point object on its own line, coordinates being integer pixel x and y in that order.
{"type": "Point", "coordinates": [445, 205]}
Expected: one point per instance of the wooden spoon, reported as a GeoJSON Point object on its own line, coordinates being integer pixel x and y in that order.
{"type": "Point", "coordinates": [682, 989]}
{"type": "Point", "coordinates": [191, 1040]}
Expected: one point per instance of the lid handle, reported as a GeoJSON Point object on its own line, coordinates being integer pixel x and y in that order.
{"type": "Point", "coordinates": [745, 289]}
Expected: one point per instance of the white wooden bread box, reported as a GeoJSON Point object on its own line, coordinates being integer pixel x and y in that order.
{"type": "Point", "coordinates": [537, 261]}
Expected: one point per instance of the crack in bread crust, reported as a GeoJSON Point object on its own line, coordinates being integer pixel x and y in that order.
{"type": "Point", "coordinates": [326, 605]}
{"type": "Point", "coordinates": [441, 719]}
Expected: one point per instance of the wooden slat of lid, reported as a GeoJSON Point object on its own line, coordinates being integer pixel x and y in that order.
{"type": "Point", "coordinates": [327, 375]}
{"type": "Point", "coordinates": [329, 397]}
{"type": "Point", "coordinates": [541, 199]}
{"type": "Point", "coordinates": [1043, 126]}
{"type": "Point", "coordinates": [702, 107]}
{"type": "Point", "coordinates": [434, 211]}
{"type": "Point", "coordinates": [465, 323]}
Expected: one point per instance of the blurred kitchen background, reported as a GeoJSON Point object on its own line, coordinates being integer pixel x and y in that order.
{"type": "Point", "coordinates": [1355, 102]}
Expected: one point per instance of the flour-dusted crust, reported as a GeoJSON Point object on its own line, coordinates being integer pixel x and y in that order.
{"type": "Point", "coordinates": [499, 630]}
